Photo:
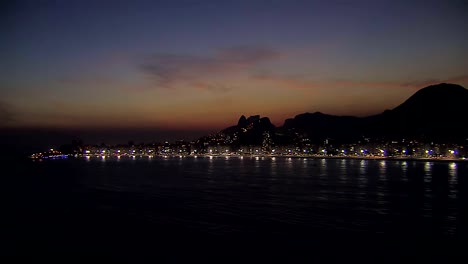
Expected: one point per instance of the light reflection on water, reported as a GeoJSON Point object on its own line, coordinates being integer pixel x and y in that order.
{"type": "Point", "coordinates": [273, 168]}
{"type": "Point", "coordinates": [323, 162]}
{"type": "Point", "coordinates": [362, 177]}
{"type": "Point", "coordinates": [453, 170]}
{"type": "Point", "coordinates": [382, 171]}
{"type": "Point", "coordinates": [305, 192]}
{"type": "Point", "coordinates": [453, 180]}
{"type": "Point", "coordinates": [363, 166]}
{"type": "Point", "coordinates": [428, 168]}
{"type": "Point", "coordinates": [404, 170]}
{"type": "Point", "coordinates": [342, 176]}
{"type": "Point", "coordinates": [133, 202]}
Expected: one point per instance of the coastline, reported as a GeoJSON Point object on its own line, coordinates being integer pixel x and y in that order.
{"type": "Point", "coordinates": [349, 158]}
{"type": "Point", "coordinates": [285, 156]}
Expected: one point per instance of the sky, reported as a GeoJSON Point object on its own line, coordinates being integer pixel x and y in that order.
{"type": "Point", "coordinates": [200, 65]}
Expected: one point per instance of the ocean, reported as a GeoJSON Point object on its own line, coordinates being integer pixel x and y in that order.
{"type": "Point", "coordinates": [232, 209]}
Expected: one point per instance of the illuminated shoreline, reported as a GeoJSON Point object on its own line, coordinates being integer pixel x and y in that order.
{"type": "Point", "coordinates": [117, 157]}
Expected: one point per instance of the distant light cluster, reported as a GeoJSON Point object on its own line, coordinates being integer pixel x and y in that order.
{"type": "Point", "coordinates": [216, 145]}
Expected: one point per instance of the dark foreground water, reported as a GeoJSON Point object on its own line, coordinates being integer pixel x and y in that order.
{"type": "Point", "coordinates": [234, 210]}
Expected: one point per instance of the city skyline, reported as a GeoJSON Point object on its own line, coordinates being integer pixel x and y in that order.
{"type": "Point", "coordinates": [243, 131]}
{"type": "Point", "coordinates": [192, 66]}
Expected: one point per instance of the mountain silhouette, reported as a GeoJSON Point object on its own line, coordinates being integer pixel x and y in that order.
{"type": "Point", "coordinates": [318, 126]}
{"type": "Point", "coordinates": [451, 97]}
{"type": "Point", "coordinates": [436, 112]}
{"type": "Point", "coordinates": [250, 131]}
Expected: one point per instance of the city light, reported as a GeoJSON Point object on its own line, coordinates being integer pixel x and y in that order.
{"type": "Point", "coordinates": [215, 147]}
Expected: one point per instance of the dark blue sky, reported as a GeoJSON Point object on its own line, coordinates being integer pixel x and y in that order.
{"type": "Point", "coordinates": [201, 64]}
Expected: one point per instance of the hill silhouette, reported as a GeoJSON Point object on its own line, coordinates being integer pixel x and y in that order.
{"type": "Point", "coordinates": [250, 131]}
{"type": "Point", "coordinates": [436, 112]}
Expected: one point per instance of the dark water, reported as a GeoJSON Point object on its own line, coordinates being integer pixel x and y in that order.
{"type": "Point", "coordinates": [240, 210]}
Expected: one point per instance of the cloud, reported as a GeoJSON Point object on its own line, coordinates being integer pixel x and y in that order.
{"type": "Point", "coordinates": [84, 80]}
{"type": "Point", "coordinates": [171, 70]}
{"type": "Point", "coordinates": [299, 83]}
{"type": "Point", "coordinates": [288, 82]}
{"type": "Point", "coordinates": [215, 88]}
{"type": "Point", "coordinates": [247, 55]}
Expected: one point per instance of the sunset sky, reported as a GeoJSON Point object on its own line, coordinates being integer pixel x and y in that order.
{"type": "Point", "coordinates": [182, 65]}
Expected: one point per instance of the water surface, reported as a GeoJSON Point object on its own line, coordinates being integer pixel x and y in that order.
{"type": "Point", "coordinates": [260, 209]}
